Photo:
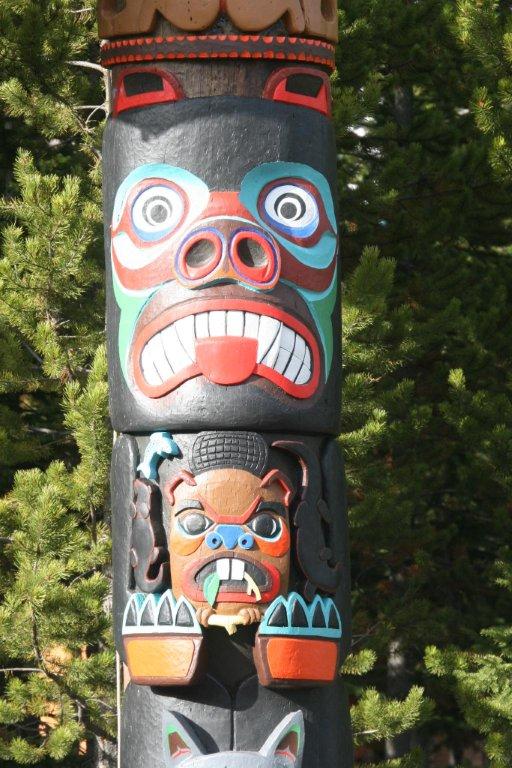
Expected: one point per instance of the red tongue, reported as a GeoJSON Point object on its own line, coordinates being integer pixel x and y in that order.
{"type": "Point", "coordinates": [227, 359]}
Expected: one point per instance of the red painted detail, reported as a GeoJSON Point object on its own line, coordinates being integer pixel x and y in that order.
{"type": "Point", "coordinates": [227, 360]}
{"type": "Point", "coordinates": [323, 225]}
{"type": "Point", "coordinates": [172, 90]}
{"type": "Point", "coordinates": [276, 89]}
{"type": "Point", "coordinates": [197, 273]}
{"type": "Point", "coordinates": [171, 56]}
{"type": "Point", "coordinates": [258, 275]}
{"type": "Point", "coordinates": [302, 659]}
{"type": "Point", "coordinates": [171, 315]}
{"type": "Point", "coordinates": [194, 592]}
{"type": "Point", "coordinates": [276, 476]}
{"type": "Point", "coordinates": [172, 262]}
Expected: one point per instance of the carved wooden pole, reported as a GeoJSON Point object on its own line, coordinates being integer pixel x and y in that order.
{"type": "Point", "coordinates": [231, 571]}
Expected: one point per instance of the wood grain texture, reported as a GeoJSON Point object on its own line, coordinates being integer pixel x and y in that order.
{"type": "Point", "coordinates": [315, 18]}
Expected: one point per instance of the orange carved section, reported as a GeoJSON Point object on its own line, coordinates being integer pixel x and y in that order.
{"type": "Point", "coordinates": [295, 662]}
{"type": "Point", "coordinates": [321, 18]}
{"type": "Point", "coordinates": [251, 17]}
{"type": "Point", "coordinates": [167, 660]}
{"type": "Point", "coordinates": [140, 16]}
{"type": "Point", "coordinates": [317, 18]}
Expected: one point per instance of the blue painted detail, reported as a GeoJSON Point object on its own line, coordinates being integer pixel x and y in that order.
{"type": "Point", "coordinates": [230, 534]}
{"type": "Point", "coordinates": [196, 189]}
{"type": "Point", "coordinates": [326, 605]}
{"type": "Point", "coordinates": [163, 607]}
{"type": "Point", "coordinates": [213, 540]}
{"type": "Point", "coordinates": [161, 446]}
{"type": "Point", "coordinates": [320, 255]}
{"type": "Point", "coordinates": [246, 541]}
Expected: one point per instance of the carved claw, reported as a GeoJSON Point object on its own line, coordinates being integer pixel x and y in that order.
{"type": "Point", "coordinates": [251, 615]}
{"type": "Point", "coordinates": [203, 615]}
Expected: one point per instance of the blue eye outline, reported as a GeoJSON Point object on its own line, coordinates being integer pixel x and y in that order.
{"type": "Point", "coordinates": [157, 198]}
{"type": "Point", "coordinates": [304, 218]}
{"type": "Point", "coordinates": [277, 523]}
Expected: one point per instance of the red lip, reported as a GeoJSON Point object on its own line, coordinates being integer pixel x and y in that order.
{"type": "Point", "coordinates": [194, 592]}
{"type": "Point", "coordinates": [227, 359]}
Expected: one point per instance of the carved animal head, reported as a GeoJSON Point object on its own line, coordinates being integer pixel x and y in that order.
{"type": "Point", "coordinates": [229, 534]}
{"type": "Point", "coordinates": [283, 748]}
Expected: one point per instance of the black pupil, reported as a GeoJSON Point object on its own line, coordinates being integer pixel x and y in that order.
{"type": "Point", "coordinates": [288, 211]}
{"type": "Point", "coordinates": [264, 525]}
{"type": "Point", "coordinates": [194, 523]}
{"type": "Point", "coordinates": [156, 212]}
{"type": "Point", "coordinates": [290, 206]}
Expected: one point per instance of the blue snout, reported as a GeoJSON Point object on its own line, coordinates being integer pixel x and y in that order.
{"type": "Point", "coordinates": [231, 536]}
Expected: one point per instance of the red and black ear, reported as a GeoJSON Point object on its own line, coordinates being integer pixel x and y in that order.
{"type": "Point", "coordinates": [303, 86]}
{"type": "Point", "coordinates": [143, 87]}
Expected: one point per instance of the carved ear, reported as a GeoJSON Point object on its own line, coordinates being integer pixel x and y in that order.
{"type": "Point", "coordinates": [286, 744]}
{"type": "Point", "coordinates": [179, 743]}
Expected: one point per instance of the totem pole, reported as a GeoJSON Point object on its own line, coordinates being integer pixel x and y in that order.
{"type": "Point", "coordinates": [230, 553]}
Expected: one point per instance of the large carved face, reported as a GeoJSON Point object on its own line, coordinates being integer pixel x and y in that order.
{"type": "Point", "coordinates": [279, 228]}
{"type": "Point", "coordinates": [223, 258]}
{"type": "Point", "coordinates": [229, 538]}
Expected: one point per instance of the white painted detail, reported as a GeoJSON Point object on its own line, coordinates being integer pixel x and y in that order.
{"type": "Point", "coordinates": [174, 348]}
{"type": "Point", "coordinates": [235, 323]}
{"type": "Point", "coordinates": [187, 335]}
{"type": "Point", "coordinates": [223, 569]}
{"type": "Point", "coordinates": [237, 570]}
{"type": "Point", "coordinates": [252, 324]}
{"type": "Point", "coordinates": [201, 326]}
{"type": "Point", "coordinates": [269, 328]}
{"type": "Point", "coordinates": [217, 323]}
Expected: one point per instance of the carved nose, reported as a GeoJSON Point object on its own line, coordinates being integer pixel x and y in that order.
{"type": "Point", "coordinates": [253, 256]}
{"type": "Point", "coordinates": [211, 255]}
{"type": "Point", "coordinates": [200, 255]}
{"type": "Point", "coordinates": [230, 535]}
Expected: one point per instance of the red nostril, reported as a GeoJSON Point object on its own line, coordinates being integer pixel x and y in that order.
{"type": "Point", "coordinates": [254, 257]}
{"type": "Point", "coordinates": [200, 255]}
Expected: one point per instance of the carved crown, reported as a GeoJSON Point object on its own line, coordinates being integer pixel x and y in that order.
{"type": "Point", "coordinates": [311, 18]}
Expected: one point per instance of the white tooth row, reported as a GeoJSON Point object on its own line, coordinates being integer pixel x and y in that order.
{"type": "Point", "coordinates": [173, 349]}
{"type": "Point", "coordinates": [230, 569]}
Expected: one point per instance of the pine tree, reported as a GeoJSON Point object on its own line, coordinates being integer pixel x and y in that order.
{"type": "Point", "coordinates": [481, 674]}
{"type": "Point", "coordinates": [422, 116]}
{"type": "Point", "coordinates": [57, 701]}
{"type": "Point", "coordinates": [427, 417]}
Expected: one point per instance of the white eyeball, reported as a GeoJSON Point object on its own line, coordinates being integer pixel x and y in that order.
{"type": "Point", "coordinates": [156, 212]}
{"type": "Point", "coordinates": [293, 210]}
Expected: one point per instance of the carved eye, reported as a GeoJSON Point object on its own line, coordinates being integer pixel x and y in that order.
{"type": "Point", "coordinates": [194, 523]}
{"type": "Point", "coordinates": [292, 210]}
{"type": "Point", "coordinates": [156, 212]}
{"type": "Point", "coordinates": [301, 86]}
{"type": "Point", "coordinates": [144, 87]}
{"type": "Point", "coordinates": [265, 526]}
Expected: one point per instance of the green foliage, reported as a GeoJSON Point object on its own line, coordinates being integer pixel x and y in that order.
{"type": "Point", "coordinates": [376, 718]}
{"type": "Point", "coordinates": [423, 121]}
{"type": "Point", "coordinates": [422, 113]}
{"type": "Point", "coordinates": [57, 703]}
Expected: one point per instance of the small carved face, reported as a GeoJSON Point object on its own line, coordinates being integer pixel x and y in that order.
{"type": "Point", "coordinates": [229, 538]}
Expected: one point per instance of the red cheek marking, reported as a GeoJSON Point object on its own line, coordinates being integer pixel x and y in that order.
{"type": "Point", "coordinates": [277, 548]}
